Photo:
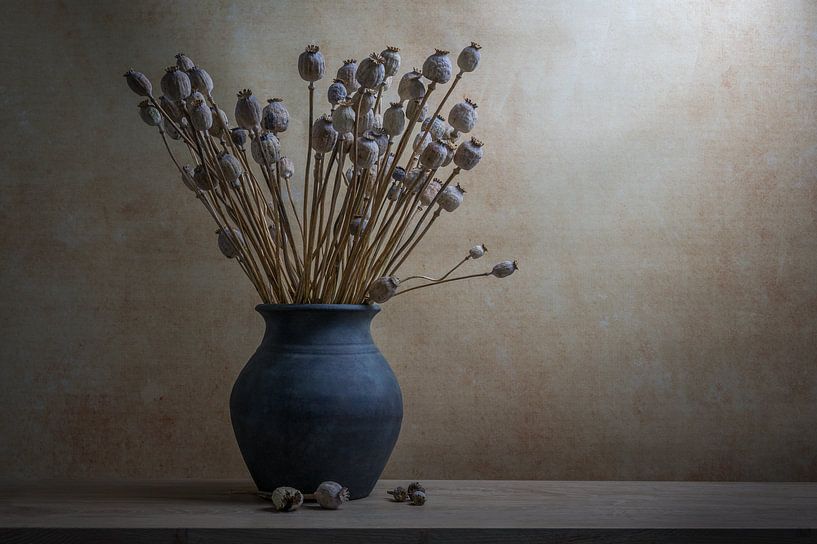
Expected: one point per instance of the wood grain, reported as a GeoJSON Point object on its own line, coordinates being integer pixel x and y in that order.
{"type": "Point", "coordinates": [477, 511]}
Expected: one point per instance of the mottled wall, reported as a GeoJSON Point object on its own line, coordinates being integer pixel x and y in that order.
{"type": "Point", "coordinates": [653, 165]}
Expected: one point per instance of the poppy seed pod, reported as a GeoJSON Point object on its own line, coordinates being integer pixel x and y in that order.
{"type": "Point", "coordinates": [230, 168]}
{"type": "Point", "coordinates": [451, 149]}
{"type": "Point", "coordinates": [477, 251]}
{"type": "Point", "coordinates": [413, 180]}
{"type": "Point", "coordinates": [331, 495]}
{"type": "Point", "coordinates": [286, 167]}
{"type": "Point", "coordinates": [348, 75]}
{"type": "Point", "coordinates": [413, 109]}
{"type": "Point", "coordinates": [381, 139]}
{"type": "Point", "coordinates": [382, 289]}
{"type": "Point", "coordinates": [468, 154]}
{"type": "Point", "coordinates": [172, 132]}
{"type": "Point", "coordinates": [391, 60]}
{"type": "Point", "coordinates": [220, 123]}
{"type": "Point", "coordinates": [437, 67]}
{"type": "Point", "coordinates": [200, 115]}
{"type": "Point", "coordinates": [394, 192]}
{"type": "Point", "coordinates": [433, 155]}
{"type": "Point", "coordinates": [175, 84]}
{"type": "Point", "coordinates": [366, 122]}
{"type": "Point", "coordinates": [365, 151]}
{"type": "Point", "coordinates": [239, 136]}
{"type": "Point", "coordinates": [436, 126]}
{"type": "Point", "coordinates": [195, 95]}
{"type": "Point", "coordinates": [468, 60]}
{"type": "Point", "coordinates": [183, 62]}
{"type": "Point", "coordinates": [450, 198]}
{"type": "Point", "coordinates": [200, 80]}
{"type": "Point", "coordinates": [394, 120]}
{"type": "Point", "coordinates": [504, 269]}
{"type": "Point", "coordinates": [248, 111]}
{"type": "Point", "coordinates": [463, 116]}
{"type": "Point", "coordinates": [275, 116]}
{"type": "Point", "coordinates": [311, 65]}
{"type": "Point", "coordinates": [363, 100]}
{"type": "Point", "coordinates": [286, 499]}
{"type": "Point", "coordinates": [336, 92]}
{"type": "Point", "coordinates": [266, 149]}
{"type": "Point", "coordinates": [187, 177]}
{"type": "Point", "coordinates": [150, 115]}
{"type": "Point", "coordinates": [204, 180]}
{"type": "Point", "coordinates": [371, 72]}
{"type": "Point", "coordinates": [230, 242]}
{"type": "Point", "coordinates": [171, 109]}
{"type": "Point", "coordinates": [138, 83]}
{"type": "Point", "coordinates": [421, 140]}
{"type": "Point", "coordinates": [430, 192]}
{"type": "Point", "coordinates": [343, 117]}
{"type": "Point", "coordinates": [411, 87]}
{"type": "Point", "coordinates": [358, 225]}
{"type": "Point", "coordinates": [399, 173]}
{"type": "Point", "coordinates": [324, 134]}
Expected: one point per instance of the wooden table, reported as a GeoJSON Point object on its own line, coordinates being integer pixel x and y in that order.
{"type": "Point", "coordinates": [456, 511]}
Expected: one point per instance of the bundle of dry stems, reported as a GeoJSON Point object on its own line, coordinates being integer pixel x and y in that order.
{"type": "Point", "coordinates": [361, 214]}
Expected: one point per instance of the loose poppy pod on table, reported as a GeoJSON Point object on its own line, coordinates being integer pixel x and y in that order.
{"type": "Point", "coordinates": [175, 84]}
{"type": "Point", "coordinates": [275, 116]}
{"type": "Point", "coordinates": [437, 67]}
{"type": "Point", "coordinates": [371, 72]}
{"type": "Point", "coordinates": [311, 65]}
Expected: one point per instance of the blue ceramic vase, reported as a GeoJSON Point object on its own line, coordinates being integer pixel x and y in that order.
{"type": "Point", "coordinates": [317, 401]}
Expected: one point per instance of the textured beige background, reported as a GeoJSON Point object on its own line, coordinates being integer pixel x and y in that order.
{"type": "Point", "coordinates": [652, 164]}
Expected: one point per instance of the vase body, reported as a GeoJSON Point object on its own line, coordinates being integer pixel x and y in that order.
{"type": "Point", "coordinates": [317, 401]}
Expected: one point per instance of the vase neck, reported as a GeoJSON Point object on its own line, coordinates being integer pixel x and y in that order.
{"type": "Point", "coordinates": [317, 324]}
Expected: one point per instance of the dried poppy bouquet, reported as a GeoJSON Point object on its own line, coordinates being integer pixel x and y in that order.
{"type": "Point", "coordinates": [356, 214]}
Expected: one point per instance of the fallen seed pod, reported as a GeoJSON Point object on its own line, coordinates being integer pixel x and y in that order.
{"type": "Point", "coordinates": [399, 494]}
{"type": "Point", "coordinates": [286, 499]}
{"type": "Point", "coordinates": [331, 495]}
{"type": "Point", "coordinates": [415, 486]}
{"type": "Point", "coordinates": [418, 498]}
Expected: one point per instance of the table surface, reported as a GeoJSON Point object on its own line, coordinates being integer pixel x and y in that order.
{"type": "Point", "coordinates": [451, 504]}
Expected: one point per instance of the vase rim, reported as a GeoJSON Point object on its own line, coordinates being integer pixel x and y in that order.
{"type": "Point", "coordinates": [318, 307]}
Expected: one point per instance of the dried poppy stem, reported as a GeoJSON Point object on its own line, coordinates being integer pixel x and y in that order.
{"type": "Point", "coordinates": [458, 278]}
